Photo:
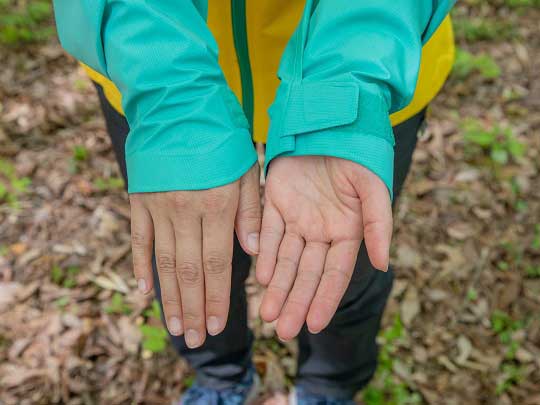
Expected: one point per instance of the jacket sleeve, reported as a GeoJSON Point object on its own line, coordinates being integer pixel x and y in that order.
{"type": "Point", "coordinates": [348, 66]}
{"type": "Point", "coordinates": [187, 129]}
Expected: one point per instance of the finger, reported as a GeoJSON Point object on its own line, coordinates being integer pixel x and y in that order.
{"type": "Point", "coordinates": [272, 230]}
{"type": "Point", "coordinates": [248, 217]}
{"type": "Point", "coordinates": [377, 218]}
{"type": "Point", "coordinates": [305, 286]}
{"type": "Point", "coordinates": [335, 279]}
{"type": "Point", "coordinates": [282, 281]}
{"type": "Point", "coordinates": [142, 239]}
{"type": "Point", "coordinates": [166, 268]}
{"type": "Point", "coordinates": [218, 234]}
{"type": "Point", "coordinates": [189, 274]}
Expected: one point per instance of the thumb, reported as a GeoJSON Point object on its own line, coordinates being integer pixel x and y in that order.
{"type": "Point", "coordinates": [248, 216]}
{"type": "Point", "coordinates": [376, 217]}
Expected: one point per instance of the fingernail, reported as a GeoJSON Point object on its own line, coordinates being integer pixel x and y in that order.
{"type": "Point", "coordinates": [175, 326]}
{"type": "Point", "coordinates": [141, 283]}
{"type": "Point", "coordinates": [213, 325]}
{"type": "Point", "coordinates": [283, 339]}
{"type": "Point", "coordinates": [192, 338]}
{"type": "Point", "coordinates": [253, 242]}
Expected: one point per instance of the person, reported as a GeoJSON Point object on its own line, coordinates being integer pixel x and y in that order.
{"type": "Point", "coordinates": [345, 100]}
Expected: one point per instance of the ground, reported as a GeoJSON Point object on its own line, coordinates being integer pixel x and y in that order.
{"type": "Point", "coordinates": [463, 323]}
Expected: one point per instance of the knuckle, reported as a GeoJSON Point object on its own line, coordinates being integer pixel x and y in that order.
{"type": "Point", "coordinates": [181, 200]}
{"type": "Point", "coordinates": [165, 262]}
{"type": "Point", "coordinates": [170, 300]}
{"type": "Point", "coordinates": [189, 273]}
{"type": "Point", "coordinates": [250, 210]}
{"type": "Point", "coordinates": [276, 289]}
{"type": "Point", "coordinates": [337, 276]}
{"type": "Point", "coordinates": [287, 262]}
{"type": "Point", "coordinates": [215, 264]}
{"type": "Point", "coordinates": [308, 277]}
{"type": "Point", "coordinates": [296, 302]}
{"type": "Point", "coordinates": [379, 224]}
{"type": "Point", "coordinates": [139, 239]}
{"type": "Point", "coordinates": [271, 232]}
{"type": "Point", "coordinates": [329, 300]}
{"type": "Point", "coordinates": [216, 199]}
{"type": "Point", "coordinates": [215, 300]}
{"type": "Point", "coordinates": [192, 318]}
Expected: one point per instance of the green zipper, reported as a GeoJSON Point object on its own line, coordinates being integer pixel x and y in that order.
{"type": "Point", "coordinates": [239, 26]}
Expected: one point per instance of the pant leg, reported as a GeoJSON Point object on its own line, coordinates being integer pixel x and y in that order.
{"type": "Point", "coordinates": [222, 360]}
{"type": "Point", "coordinates": [341, 360]}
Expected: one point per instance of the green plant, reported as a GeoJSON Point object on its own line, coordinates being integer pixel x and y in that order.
{"type": "Point", "coordinates": [512, 374]}
{"type": "Point", "coordinates": [110, 183]}
{"type": "Point", "coordinates": [66, 278]}
{"type": "Point", "coordinates": [11, 186]}
{"type": "Point", "coordinates": [522, 3]}
{"type": "Point", "coordinates": [386, 389]}
{"type": "Point", "coordinates": [482, 29]}
{"type": "Point", "coordinates": [472, 294]}
{"type": "Point", "coordinates": [500, 143]}
{"type": "Point", "coordinates": [25, 21]}
{"type": "Point", "coordinates": [511, 256]}
{"type": "Point", "coordinates": [535, 245]}
{"type": "Point", "coordinates": [61, 302]}
{"type": "Point", "coordinates": [188, 380]}
{"type": "Point", "coordinates": [520, 204]}
{"type": "Point", "coordinates": [118, 305]}
{"type": "Point", "coordinates": [154, 337]}
{"type": "Point", "coordinates": [504, 326]}
{"type": "Point", "coordinates": [154, 311]}
{"type": "Point", "coordinates": [533, 271]}
{"type": "Point", "coordinates": [80, 153]}
{"type": "Point", "coordinates": [466, 64]}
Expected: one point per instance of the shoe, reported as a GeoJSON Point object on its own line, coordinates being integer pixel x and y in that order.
{"type": "Point", "coordinates": [244, 393]}
{"type": "Point", "coordinates": [299, 396]}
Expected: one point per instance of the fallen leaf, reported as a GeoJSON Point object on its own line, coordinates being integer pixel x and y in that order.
{"type": "Point", "coordinates": [410, 306]}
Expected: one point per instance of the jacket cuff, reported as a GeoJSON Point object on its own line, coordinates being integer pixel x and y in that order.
{"type": "Point", "coordinates": [149, 172]}
{"type": "Point", "coordinates": [348, 120]}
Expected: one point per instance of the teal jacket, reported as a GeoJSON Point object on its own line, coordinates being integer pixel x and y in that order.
{"type": "Point", "coordinates": [348, 66]}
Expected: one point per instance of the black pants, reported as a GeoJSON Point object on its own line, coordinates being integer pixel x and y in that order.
{"type": "Point", "coordinates": [338, 361]}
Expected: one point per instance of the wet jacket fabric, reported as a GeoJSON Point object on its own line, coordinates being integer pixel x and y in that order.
{"type": "Point", "coordinates": [308, 77]}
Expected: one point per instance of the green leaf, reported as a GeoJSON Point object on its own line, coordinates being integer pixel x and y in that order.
{"type": "Point", "coordinates": [488, 67]}
{"type": "Point", "coordinates": [80, 153]}
{"type": "Point", "coordinates": [516, 148]}
{"type": "Point", "coordinates": [39, 11]}
{"type": "Point", "coordinates": [21, 185]}
{"type": "Point", "coordinates": [118, 305]}
{"type": "Point", "coordinates": [480, 138]}
{"type": "Point", "coordinates": [154, 311]}
{"type": "Point", "coordinates": [61, 302]}
{"type": "Point", "coordinates": [500, 156]}
{"type": "Point", "coordinates": [57, 274]}
{"type": "Point", "coordinates": [154, 338]}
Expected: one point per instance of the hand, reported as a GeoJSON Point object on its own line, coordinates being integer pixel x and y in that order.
{"type": "Point", "coordinates": [317, 211]}
{"type": "Point", "coordinates": [193, 234]}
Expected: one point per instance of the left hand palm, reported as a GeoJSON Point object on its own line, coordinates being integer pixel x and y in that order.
{"type": "Point", "coordinates": [317, 212]}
